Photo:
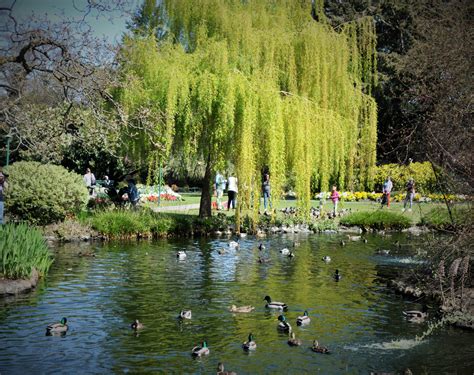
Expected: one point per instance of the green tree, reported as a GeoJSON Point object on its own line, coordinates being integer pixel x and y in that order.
{"type": "Point", "coordinates": [256, 84]}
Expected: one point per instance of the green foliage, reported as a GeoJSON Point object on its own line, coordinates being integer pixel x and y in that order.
{"type": "Point", "coordinates": [44, 193]}
{"type": "Point", "coordinates": [322, 225]}
{"type": "Point", "coordinates": [379, 219]}
{"type": "Point", "coordinates": [439, 218]}
{"type": "Point", "coordinates": [258, 84]}
{"type": "Point", "coordinates": [22, 248]}
{"type": "Point", "coordinates": [422, 173]}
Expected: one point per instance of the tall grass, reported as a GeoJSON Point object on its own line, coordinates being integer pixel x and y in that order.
{"type": "Point", "coordinates": [439, 218]}
{"type": "Point", "coordinates": [380, 219]}
{"type": "Point", "coordinates": [22, 248]}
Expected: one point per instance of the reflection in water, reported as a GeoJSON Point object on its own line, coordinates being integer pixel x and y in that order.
{"type": "Point", "coordinates": [358, 318]}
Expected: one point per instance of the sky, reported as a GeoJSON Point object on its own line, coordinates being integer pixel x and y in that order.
{"type": "Point", "coordinates": [107, 24]}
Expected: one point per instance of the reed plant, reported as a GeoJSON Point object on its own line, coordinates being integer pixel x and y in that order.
{"type": "Point", "coordinates": [22, 248]}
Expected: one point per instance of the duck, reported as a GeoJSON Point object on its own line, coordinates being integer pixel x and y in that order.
{"type": "Point", "coordinates": [383, 252]}
{"type": "Point", "coordinates": [283, 325]}
{"type": "Point", "coordinates": [250, 344]}
{"type": "Point", "coordinates": [416, 316]}
{"type": "Point", "coordinates": [293, 341]}
{"type": "Point", "coordinates": [136, 325]}
{"type": "Point", "coordinates": [275, 305]}
{"type": "Point", "coordinates": [263, 260]}
{"type": "Point", "coordinates": [241, 309]}
{"type": "Point", "coordinates": [221, 251]}
{"type": "Point", "coordinates": [199, 351]}
{"type": "Point", "coordinates": [181, 255]}
{"type": "Point", "coordinates": [261, 246]}
{"type": "Point", "coordinates": [319, 349]}
{"type": "Point", "coordinates": [296, 244]}
{"type": "Point", "coordinates": [337, 276]}
{"type": "Point", "coordinates": [57, 328]}
{"type": "Point", "coordinates": [343, 243]}
{"type": "Point", "coordinates": [221, 371]}
{"type": "Point", "coordinates": [185, 314]}
{"type": "Point", "coordinates": [233, 244]}
{"type": "Point", "coordinates": [285, 251]}
{"type": "Point", "coordinates": [243, 234]}
{"type": "Point", "coordinates": [86, 254]}
{"type": "Point", "coordinates": [291, 254]}
{"type": "Point", "coordinates": [326, 258]}
{"type": "Point", "coordinates": [304, 319]}
{"type": "Point", "coordinates": [364, 240]}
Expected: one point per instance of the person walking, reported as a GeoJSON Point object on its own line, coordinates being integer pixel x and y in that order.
{"type": "Point", "coordinates": [220, 187]}
{"type": "Point", "coordinates": [89, 180]}
{"type": "Point", "coordinates": [335, 199]}
{"type": "Point", "coordinates": [232, 190]}
{"type": "Point", "coordinates": [266, 192]}
{"type": "Point", "coordinates": [410, 187]}
{"type": "Point", "coordinates": [3, 187]}
{"type": "Point", "coordinates": [386, 190]}
{"type": "Point", "coordinates": [133, 194]}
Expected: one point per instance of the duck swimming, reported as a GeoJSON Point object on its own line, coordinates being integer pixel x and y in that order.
{"type": "Point", "coordinates": [275, 305]}
{"type": "Point", "coordinates": [261, 246]}
{"type": "Point", "coordinates": [181, 255]}
{"type": "Point", "coordinates": [185, 314]}
{"type": "Point", "coordinates": [293, 341]}
{"type": "Point", "coordinates": [136, 325]}
{"type": "Point", "coordinates": [337, 276]}
{"type": "Point", "coordinates": [285, 251]}
{"type": "Point", "coordinates": [57, 328]}
{"type": "Point", "coordinates": [199, 351]}
{"type": "Point", "coordinates": [220, 370]}
{"type": "Point", "coordinates": [326, 259]}
{"type": "Point", "coordinates": [319, 349]}
{"type": "Point", "coordinates": [304, 319]}
{"type": "Point", "coordinates": [241, 309]}
{"type": "Point", "coordinates": [283, 325]}
{"type": "Point", "coordinates": [250, 344]}
{"type": "Point", "coordinates": [415, 316]}
{"type": "Point", "coordinates": [233, 244]}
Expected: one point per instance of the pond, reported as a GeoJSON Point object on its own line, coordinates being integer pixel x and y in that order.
{"type": "Point", "coordinates": [358, 318]}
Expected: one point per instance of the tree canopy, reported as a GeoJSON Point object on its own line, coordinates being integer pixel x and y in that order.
{"type": "Point", "coordinates": [259, 85]}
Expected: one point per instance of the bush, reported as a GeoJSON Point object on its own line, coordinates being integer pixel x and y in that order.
{"type": "Point", "coordinates": [438, 218]}
{"type": "Point", "coordinates": [380, 219]}
{"type": "Point", "coordinates": [21, 249]}
{"type": "Point", "coordinates": [43, 193]}
{"type": "Point", "coordinates": [422, 173]}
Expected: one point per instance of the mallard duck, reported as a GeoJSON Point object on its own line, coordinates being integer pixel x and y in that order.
{"type": "Point", "coordinates": [343, 243]}
{"type": "Point", "coordinates": [199, 351]}
{"type": "Point", "coordinates": [221, 251]}
{"type": "Point", "coordinates": [274, 305]}
{"type": "Point", "coordinates": [220, 370]}
{"type": "Point", "coordinates": [293, 341]}
{"type": "Point", "coordinates": [181, 255]}
{"type": "Point", "coordinates": [241, 309]}
{"type": "Point", "coordinates": [233, 244]}
{"type": "Point", "coordinates": [285, 251]}
{"type": "Point", "coordinates": [291, 254]}
{"type": "Point", "coordinates": [261, 246]}
{"type": "Point", "coordinates": [415, 316]}
{"type": "Point", "coordinates": [263, 260]}
{"type": "Point", "coordinates": [86, 254]}
{"type": "Point", "coordinates": [250, 344]}
{"type": "Point", "coordinates": [136, 325]}
{"type": "Point", "coordinates": [57, 328]}
{"type": "Point", "coordinates": [326, 258]}
{"type": "Point", "coordinates": [337, 276]}
{"type": "Point", "coordinates": [185, 314]}
{"type": "Point", "coordinates": [319, 349]}
{"type": "Point", "coordinates": [283, 325]}
{"type": "Point", "coordinates": [364, 240]}
{"type": "Point", "coordinates": [304, 319]}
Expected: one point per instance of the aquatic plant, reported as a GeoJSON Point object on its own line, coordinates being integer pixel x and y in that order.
{"type": "Point", "coordinates": [22, 248]}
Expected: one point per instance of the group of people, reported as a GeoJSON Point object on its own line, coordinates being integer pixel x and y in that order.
{"type": "Point", "coordinates": [410, 193]}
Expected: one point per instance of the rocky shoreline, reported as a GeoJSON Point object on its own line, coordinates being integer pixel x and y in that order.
{"type": "Point", "coordinates": [13, 287]}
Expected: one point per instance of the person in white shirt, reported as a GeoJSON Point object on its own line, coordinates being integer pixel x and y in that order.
{"type": "Point", "coordinates": [89, 180]}
{"type": "Point", "coordinates": [232, 191]}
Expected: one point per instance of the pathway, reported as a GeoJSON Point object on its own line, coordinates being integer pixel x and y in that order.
{"type": "Point", "coordinates": [184, 207]}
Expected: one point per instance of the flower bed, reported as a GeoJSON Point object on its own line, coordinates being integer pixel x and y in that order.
{"type": "Point", "coordinates": [349, 196]}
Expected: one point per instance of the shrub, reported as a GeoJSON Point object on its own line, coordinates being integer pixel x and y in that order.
{"type": "Point", "coordinates": [380, 219]}
{"type": "Point", "coordinates": [43, 193]}
{"type": "Point", "coordinates": [438, 218]}
{"type": "Point", "coordinates": [422, 173]}
{"type": "Point", "coordinates": [21, 249]}
{"type": "Point", "coordinates": [322, 225]}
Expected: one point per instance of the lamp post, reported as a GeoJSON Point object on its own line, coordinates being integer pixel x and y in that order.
{"type": "Point", "coordinates": [7, 161]}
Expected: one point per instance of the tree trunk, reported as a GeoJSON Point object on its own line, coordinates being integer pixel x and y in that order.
{"type": "Point", "coordinates": [205, 208]}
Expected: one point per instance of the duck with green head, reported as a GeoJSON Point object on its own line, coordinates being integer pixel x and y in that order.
{"type": "Point", "coordinates": [57, 328]}
{"type": "Point", "coordinates": [304, 319]}
{"type": "Point", "coordinates": [250, 344]}
{"type": "Point", "coordinates": [283, 325]}
{"type": "Point", "coordinates": [275, 305]}
{"type": "Point", "coordinates": [199, 351]}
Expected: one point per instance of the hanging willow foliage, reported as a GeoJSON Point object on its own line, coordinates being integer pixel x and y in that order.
{"type": "Point", "coordinates": [260, 84]}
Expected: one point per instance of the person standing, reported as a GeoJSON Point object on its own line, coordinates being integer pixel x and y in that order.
{"type": "Point", "coordinates": [220, 187]}
{"type": "Point", "coordinates": [335, 199]}
{"type": "Point", "coordinates": [266, 192]}
{"type": "Point", "coordinates": [3, 187]}
{"type": "Point", "coordinates": [133, 195]}
{"type": "Point", "coordinates": [410, 187]}
{"type": "Point", "coordinates": [89, 180]}
{"type": "Point", "coordinates": [387, 189]}
{"type": "Point", "coordinates": [232, 190]}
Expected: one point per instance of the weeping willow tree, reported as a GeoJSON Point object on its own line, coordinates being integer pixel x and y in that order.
{"type": "Point", "coordinates": [259, 84]}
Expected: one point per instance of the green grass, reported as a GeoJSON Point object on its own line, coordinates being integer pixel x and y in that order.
{"type": "Point", "coordinates": [438, 218]}
{"type": "Point", "coordinates": [379, 219]}
{"type": "Point", "coordinates": [22, 248]}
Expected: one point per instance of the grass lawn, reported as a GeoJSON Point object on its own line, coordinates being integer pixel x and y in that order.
{"type": "Point", "coordinates": [418, 210]}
